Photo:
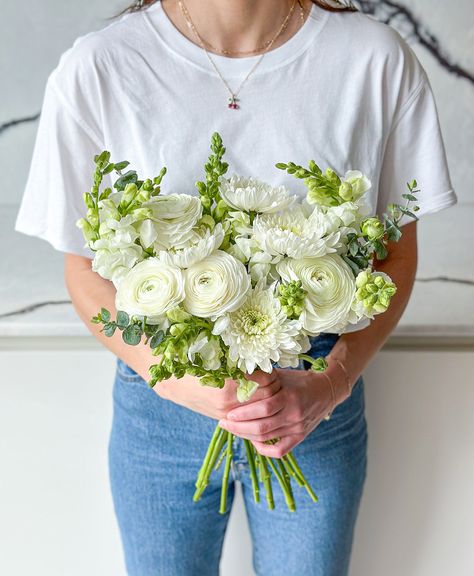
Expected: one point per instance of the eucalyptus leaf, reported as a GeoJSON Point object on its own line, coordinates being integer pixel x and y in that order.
{"type": "Point", "coordinates": [132, 334]}
{"type": "Point", "coordinates": [157, 339]}
{"type": "Point", "coordinates": [109, 328]}
{"type": "Point", "coordinates": [123, 319]}
{"type": "Point", "coordinates": [104, 314]}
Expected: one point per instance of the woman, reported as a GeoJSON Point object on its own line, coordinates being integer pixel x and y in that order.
{"type": "Point", "coordinates": [279, 80]}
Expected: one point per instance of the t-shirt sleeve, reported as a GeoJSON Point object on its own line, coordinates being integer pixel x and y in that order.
{"type": "Point", "coordinates": [415, 151]}
{"type": "Point", "coordinates": [61, 170]}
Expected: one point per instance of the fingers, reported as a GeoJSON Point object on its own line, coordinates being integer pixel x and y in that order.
{"type": "Point", "coordinates": [263, 378]}
{"type": "Point", "coordinates": [278, 450]}
{"type": "Point", "coordinates": [271, 401]}
{"type": "Point", "coordinates": [263, 428]}
{"type": "Point", "coordinates": [264, 393]}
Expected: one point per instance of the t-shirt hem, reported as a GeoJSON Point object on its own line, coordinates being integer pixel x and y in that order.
{"type": "Point", "coordinates": [445, 200]}
{"type": "Point", "coordinates": [54, 241]}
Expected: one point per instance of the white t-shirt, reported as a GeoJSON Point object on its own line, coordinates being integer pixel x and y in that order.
{"type": "Point", "coordinates": [345, 90]}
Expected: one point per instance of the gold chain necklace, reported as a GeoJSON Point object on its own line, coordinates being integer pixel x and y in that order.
{"type": "Point", "coordinates": [233, 100]}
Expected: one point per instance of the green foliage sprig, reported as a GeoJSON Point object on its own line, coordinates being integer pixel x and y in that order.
{"type": "Point", "coordinates": [214, 169]}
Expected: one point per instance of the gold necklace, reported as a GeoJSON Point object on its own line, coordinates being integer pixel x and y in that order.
{"type": "Point", "coordinates": [233, 100]}
{"type": "Point", "coordinates": [255, 50]}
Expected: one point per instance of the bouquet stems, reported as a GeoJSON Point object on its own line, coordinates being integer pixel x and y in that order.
{"type": "Point", "coordinates": [261, 470]}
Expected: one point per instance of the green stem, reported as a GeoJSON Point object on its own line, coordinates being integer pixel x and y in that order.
{"type": "Point", "coordinates": [225, 479]}
{"type": "Point", "coordinates": [215, 448]}
{"type": "Point", "coordinates": [297, 469]}
{"type": "Point", "coordinates": [267, 481]}
{"type": "Point", "coordinates": [286, 488]}
{"type": "Point", "coordinates": [212, 443]}
{"type": "Point", "coordinates": [253, 471]}
{"type": "Point", "coordinates": [291, 471]}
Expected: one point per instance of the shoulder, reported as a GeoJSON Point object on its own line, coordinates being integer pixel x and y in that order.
{"type": "Point", "coordinates": [96, 53]}
{"type": "Point", "coordinates": [381, 50]}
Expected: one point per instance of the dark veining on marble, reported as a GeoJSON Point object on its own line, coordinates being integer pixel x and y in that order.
{"type": "Point", "coordinates": [34, 307]}
{"type": "Point", "coordinates": [407, 23]}
{"type": "Point", "coordinates": [446, 279]}
{"type": "Point", "coordinates": [16, 121]}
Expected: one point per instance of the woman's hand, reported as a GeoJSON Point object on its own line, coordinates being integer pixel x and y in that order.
{"type": "Point", "coordinates": [303, 399]}
{"type": "Point", "coordinates": [213, 402]}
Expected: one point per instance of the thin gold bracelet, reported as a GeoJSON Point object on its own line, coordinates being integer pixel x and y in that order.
{"type": "Point", "coordinates": [346, 375]}
{"type": "Point", "coordinates": [333, 395]}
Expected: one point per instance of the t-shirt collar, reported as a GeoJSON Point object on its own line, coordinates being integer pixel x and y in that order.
{"type": "Point", "coordinates": [176, 42]}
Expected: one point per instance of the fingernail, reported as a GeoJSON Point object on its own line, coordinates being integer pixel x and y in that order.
{"type": "Point", "coordinates": [222, 423]}
{"type": "Point", "coordinates": [230, 416]}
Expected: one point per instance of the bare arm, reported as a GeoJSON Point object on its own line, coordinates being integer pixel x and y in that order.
{"type": "Point", "coordinates": [89, 292]}
{"type": "Point", "coordinates": [355, 350]}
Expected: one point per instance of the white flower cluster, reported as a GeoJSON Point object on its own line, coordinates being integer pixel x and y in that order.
{"type": "Point", "coordinates": [230, 271]}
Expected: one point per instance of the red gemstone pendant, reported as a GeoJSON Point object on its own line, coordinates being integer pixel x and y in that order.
{"type": "Point", "coordinates": [233, 103]}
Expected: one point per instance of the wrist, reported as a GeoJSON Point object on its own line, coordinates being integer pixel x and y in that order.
{"type": "Point", "coordinates": [340, 378]}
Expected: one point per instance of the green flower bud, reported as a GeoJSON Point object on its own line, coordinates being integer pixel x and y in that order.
{"type": "Point", "coordinates": [319, 364]}
{"type": "Point", "coordinates": [374, 291]}
{"type": "Point", "coordinates": [291, 298]}
{"type": "Point", "coordinates": [129, 194]}
{"type": "Point", "coordinates": [177, 315]}
{"type": "Point", "coordinates": [345, 191]}
{"type": "Point", "coordinates": [372, 228]}
{"type": "Point", "coordinates": [87, 230]}
{"type": "Point", "coordinates": [208, 221]}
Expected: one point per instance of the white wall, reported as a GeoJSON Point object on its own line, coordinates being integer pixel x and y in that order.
{"type": "Point", "coordinates": [417, 515]}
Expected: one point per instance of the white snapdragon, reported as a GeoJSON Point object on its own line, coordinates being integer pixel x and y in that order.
{"type": "Point", "coordinates": [209, 350]}
{"type": "Point", "coordinates": [150, 289]}
{"type": "Point", "coordinates": [215, 285]}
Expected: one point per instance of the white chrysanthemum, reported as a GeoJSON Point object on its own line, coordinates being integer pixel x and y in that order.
{"type": "Point", "coordinates": [293, 234]}
{"type": "Point", "coordinates": [173, 220]}
{"type": "Point", "coordinates": [200, 246]}
{"type": "Point", "coordinates": [215, 285]}
{"type": "Point", "coordinates": [330, 286]}
{"type": "Point", "coordinates": [253, 195]}
{"type": "Point", "coordinates": [259, 333]}
{"type": "Point", "coordinates": [150, 289]}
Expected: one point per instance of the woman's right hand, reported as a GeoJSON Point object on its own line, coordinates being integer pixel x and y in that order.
{"type": "Point", "coordinates": [212, 402]}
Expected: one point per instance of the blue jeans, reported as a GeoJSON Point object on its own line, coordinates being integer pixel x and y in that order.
{"type": "Point", "coordinates": [156, 448]}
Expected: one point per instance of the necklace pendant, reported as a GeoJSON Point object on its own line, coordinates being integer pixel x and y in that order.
{"type": "Point", "coordinates": [233, 103]}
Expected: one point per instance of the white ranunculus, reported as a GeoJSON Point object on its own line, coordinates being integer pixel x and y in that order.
{"type": "Point", "coordinates": [150, 289]}
{"type": "Point", "coordinates": [199, 247]}
{"type": "Point", "coordinates": [293, 234]}
{"type": "Point", "coordinates": [115, 263]}
{"type": "Point", "coordinates": [253, 195]}
{"type": "Point", "coordinates": [330, 286]}
{"type": "Point", "coordinates": [215, 285]}
{"type": "Point", "coordinates": [259, 333]}
{"type": "Point", "coordinates": [174, 217]}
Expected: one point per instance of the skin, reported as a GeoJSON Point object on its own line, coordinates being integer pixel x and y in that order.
{"type": "Point", "coordinates": [289, 404]}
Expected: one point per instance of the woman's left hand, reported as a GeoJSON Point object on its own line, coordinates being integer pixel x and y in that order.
{"type": "Point", "coordinates": [303, 400]}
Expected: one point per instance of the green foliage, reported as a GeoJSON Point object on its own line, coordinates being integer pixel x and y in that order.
{"type": "Point", "coordinates": [214, 169]}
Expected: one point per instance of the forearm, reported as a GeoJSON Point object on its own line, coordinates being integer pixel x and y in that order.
{"type": "Point", "coordinates": [89, 293]}
{"type": "Point", "coordinates": [355, 350]}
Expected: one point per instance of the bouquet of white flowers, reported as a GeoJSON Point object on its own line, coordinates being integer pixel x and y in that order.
{"type": "Point", "coordinates": [237, 278]}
